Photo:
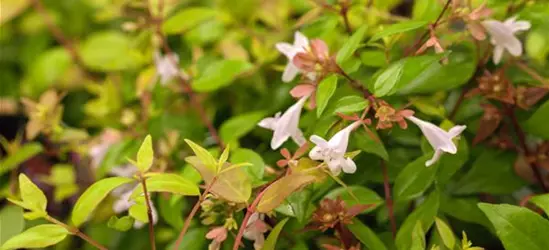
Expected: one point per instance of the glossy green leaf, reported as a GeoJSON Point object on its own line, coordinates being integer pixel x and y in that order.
{"type": "Point", "coordinates": [517, 227]}
{"type": "Point", "coordinates": [32, 197]}
{"type": "Point", "coordinates": [414, 179]}
{"type": "Point", "coordinates": [449, 164]}
{"type": "Point", "coordinates": [464, 209]}
{"type": "Point", "coordinates": [385, 83]}
{"type": "Point", "coordinates": [37, 237]}
{"type": "Point", "coordinates": [324, 92]}
{"type": "Point", "coordinates": [542, 201]}
{"type": "Point", "coordinates": [271, 240]}
{"type": "Point", "coordinates": [110, 51]}
{"type": "Point", "coordinates": [350, 104]}
{"type": "Point", "coordinates": [373, 58]}
{"type": "Point", "coordinates": [21, 155]}
{"type": "Point", "coordinates": [427, 10]}
{"type": "Point", "coordinates": [365, 235]}
{"type": "Point", "coordinates": [205, 157]}
{"type": "Point", "coordinates": [368, 143]}
{"type": "Point", "coordinates": [363, 194]}
{"type": "Point", "coordinates": [489, 170]}
{"type": "Point", "coordinates": [11, 222]}
{"type": "Point", "coordinates": [123, 224]}
{"type": "Point", "coordinates": [89, 200]}
{"type": "Point", "coordinates": [231, 184]}
{"type": "Point", "coordinates": [536, 124]}
{"type": "Point", "coordinates": [277, 192]}
{"type": "Point", "coordinates": [425, 214]}
{"type": "Point", "coordinates": [418, 237]}
{"type": "Point", "coordinates": [219, 74]}
{"type": "Point", "coordinates": [398, 28]}
{"type": "Point", "coordinates": [257, 169]}
{"type": "Point", "coordinates": [187, 18]}
{"type": "Point", "coordinates": [145, 155]}
{"type": "Point", "coordinates": [351, 45]}
{"type": "Point", "coordinates": [446, 234]}
{"type": "Point", "coordinates": [238, 126]}
{"type": "Point", "coordinates": [166, 182]}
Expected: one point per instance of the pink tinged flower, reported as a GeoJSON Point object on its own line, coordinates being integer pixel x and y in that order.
{"type": "Point", "coordinates": [97, 152]}
{"type": "Point", "coordinates": [286, 125]}
{"type": "Point", "coordinates": [440, 140]}
{"type": "Point", "coordinates": [217, 235]}
{"type": "Point", "coordinates": [502, 36]}
{"type": "Point", "coordinates": [166, 69]}
{"type": "Point", "coordinates": [301, 44]}
{"type": "Point", "coordinates": [255, 230]}
{"type": "Point", "coordinates": [332, 152]}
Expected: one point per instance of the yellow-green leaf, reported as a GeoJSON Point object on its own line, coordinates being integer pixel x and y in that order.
{"type": "Point", "coordinates": [121, 224]}
{"type": "Point", "coordinates": [325, 91]}
{"type": "Point", "coordinates": [171, 183]}
{"type": "Point", "coordinates": [542, 201]}
{"type": "Point", "coordinates": [37, 237]}
{"type": "Point", "coordinates": [271, 240]}
{"type": "Point", "coordinates": [11, 8]}
{"type": "Point", "coordinates": [205, 157]}
{"type": "Point", "coordinates": [446, 234]}
{"type": "Point", "coordinates": [277, 192]}
{"type": "Point", "coordinates": [187, 18]}
{"type": "Point", "coordinates": [22, 154]}
{"type": "Point", "coordinates": [89, 200]}
{"type": "Point", "coordinates": [33, 198]}
{"type": "Point", "coordinates": [145, 155]}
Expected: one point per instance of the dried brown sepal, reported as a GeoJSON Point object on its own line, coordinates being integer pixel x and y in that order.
{"type": "Point", "coordinates": [387, 115]}
{"type": "Point", "coordinates": [542, 155]}
{"type": "Point", "coordinates": [489, 122]}
{"type": "Point", "coordinates": [333, 212]}
{"type": "Point", "coordinates": [527, 97]}
{"type": "Point", "coordinates": [523, 169]}
{"type": "Point", "coordinates": [494, 86]}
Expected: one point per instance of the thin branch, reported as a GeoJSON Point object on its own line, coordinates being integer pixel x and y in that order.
{"type": "Point", "coordinates": [249, 211]}
{"type": "Point", "coordinates": [388, 199]}
{"type": "Point", "coordinates": [434, 26]}
{"type": "Point", "coordinates": [149, 213]}
{"type": "Point", "coordinates": [76, 232]}
{"type": "Point", "coordinates": [522, 140]}
{"type": "Point", "coordinates": [344, 13]}
{"type": "Point", "coordinates": [193, 212]}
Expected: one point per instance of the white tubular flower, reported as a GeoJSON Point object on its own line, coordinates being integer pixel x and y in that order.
{"type": "Point", "coordinates": [255, 228]}
{"type": "Point", "coordinates": [332, 152]}
{"type": "Point", "coordinates": [301, 44]}
{"type": "Point", "coordinates": [440, 140]}
{"type": "Point", "coordinates": [286, 125]}
{"type": "Point", "coordinates": [502, 36]}
{"type": "Point", "coordinates": [165, 68]}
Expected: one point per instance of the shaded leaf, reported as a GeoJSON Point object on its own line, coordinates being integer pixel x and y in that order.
{"type": "Point", "coordinates": [446, 233]}
{"type": "Point", "coordinates": [277, 192]}
{"type": "Point", "coordinates": [238, 126]}
{"type": "Point", "coordinates": [351, 45]}
{"type": "Point", "coordinates": [110, 51]}
{"type": "Point", "coordinates": [537, 123]}
{"type": "Point", "coordinates": [366, 235]}
{"type": "Point", "coordinates": [219, 74]}
{"type": "Point", "coordinates": [365, 196]}
{"type": "Point", "coordinates": [424, 213]}
{"type": "Point", "coordinates": [414, 179]}
{"type": "Point", "coordinates": [22, 154]}
{"type": "Point", "coordinates": [271, 240]}
{"type": "Point", "coordinates": [11, 222]}
{"type": "Point", "coordinates": [325, 91]}
{"type": "Point", "coordinates": [398, 28]}
{"type": "Point", "coordinates": [121, 224]}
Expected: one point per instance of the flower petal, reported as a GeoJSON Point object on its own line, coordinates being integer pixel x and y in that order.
{"type": "Point", "coordinates": [514, 46]}
{"type": "Point", "coordinates": [298, 138]}
{"type": "Point", "coordinates": [319, 141]}
{"type": "Point", "coordinates": [436, 156]}
{"type": "Point", "coordinates": [268, 123]}
{"type": "Point", "coordinates": [348, 166]}
{"type": "Point", "coordinates": [456, 130]}
{"type": "Point", "coordinates": [286, 49]}
{"type": "Point", "coordinates": [300, 40]}
{"type": "Point", "coordinates": [498, 53]}
{"type": "Point", "coordinates": [290, 72]}
{"type": "Point", "coordinates": [316, 154]}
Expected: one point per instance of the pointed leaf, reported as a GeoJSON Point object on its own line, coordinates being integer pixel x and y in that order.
{"type": "Point", "coordinates": [33, 198]}
{"type": "Point", "coordinates": [89, 200]}
{"type": "Point", "coordinates": [517, 227]}
{"type": "Point", "coordinates": [414, 179]}
{"type": "Point", "coordinates": [398, 28]}
{"type": "Point", "coordinates": [424, 213]}
{"type": "Point", "coordinates": [220, 74]}
{"type": "Point", "coordinates": [145, 155]}
{"type": "Point", "coordinates": [24, 153]}
{"type": "Point", "coordinates": [277, 192]}
{"type": "Point", "coordinates": [271, 240]}
{"type": "Point", "coordinates": [365, 196]}
{"type": "Point", "coordinates": [366, 235]}
{"type": "Point", "coordinates": [325, 91]}
{"type": "Point", "coordinates": [40, 236]}
{"type": "Point", "coordinates": [204, 156]}
{"type": "Point", "coordinates": [542, 201]}
{"type": "Point", "coordinates": [418, 237]}
{"type": "Point", "coordinates": [351, 45]}
{"type": "Point", "coordinates": [165, 182]}
{"type": "Point", "coordinates": [446, 234]}
{"type": "Point", "coordinates": [238, 126]}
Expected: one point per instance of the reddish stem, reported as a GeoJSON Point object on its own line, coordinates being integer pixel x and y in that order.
{"type": "Point", "coordinates": [434, 26]}
{"type": "Point", "coordinates": [249, 211]}
{"type": "Point", "coordinates": [522, 140]}
{"type": "Point", "coordinates": [149, 213]}
{"type": "Point", "coordinates": [192, 214]}
{"type": "Point", "coordinates": [388, 199]}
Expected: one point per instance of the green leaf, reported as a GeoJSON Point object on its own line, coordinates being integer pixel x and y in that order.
{"type": "Point", "coordinates": [47, 69]}
{"type": "Point", "coordinates": [33, 198]}
{"type": "Point", "coordinates": [418, 237]}
{"type": "Point", "coordinates": [537, 44]}
{"type": "Point", "coordinates": [232, 184]}
{"type": "Point", "coordinates": [37, 237]}
{"type": "Point", "coordinates": [89, 200]}
{"type": "Point", "coordinates": [373, 58]}
{"type": "Point", "coordinates": [364, 195]}
{"type": "Point", "coordinates": [277, 192]}
{"type": "Point", "coordinates": [139, 212]}
{"type": "Point", "coordinates": [12, 8]}
{"type": "Point", "coordinates": [424, 213]}
{"type": "Point", "coordinates": [22, 154]}
{"type": "Point", "coordinates": [195, 239]}
{"type": "Point", "coordinates": [364, 141]}
{"type": "Point", "coordinates": [427, 10]}
{"type": "Point", "coordinates": [170, 211]}
{"type": "Point", "coordinates": [166, 182]}
{"type": "Point", "coordinates": [398, 28]}
{"type": "Point", "coordinates": [350, 104]}
{"type": "Point", "coordinates": [366, 235]}
{"type": "Point", "coordinates": [121, 224]}
{"type": "Point", "coordinates": [517, 227]}
{"type": "Point", "coordinates": [324, 92]}
{"type": "Point", "coordinates": [220, 74]}
{"type": "Point", "coordinates": [11, 222]}
{"type": "Point", "coordinates": [271, 240]}
{"type": "Point", "coordinates": [205, 157]}
{"type": "Point", "coordinates": [464, 209]}
{"type": "Point", "coordinates": [187, 18]}
{"type": "Point", "coordinates": [257, 169]}
{"type": "Point", "coordinates": [385, 83]}
{"type": "Point", "coordinates": [542, 201]}
{"type": "Point", "coordinates": [446, 234]}
{"type": "Point", "coordinates": [351, 45]}
{"type": "Point", "coordinates": [449, 164]}
{"type": "Point", "coordinates": [489, 170]}
{"type": "Point", "coordinates": [110, 51]}
{"type": "Point", "coordinates": [145, 155]}
{"type": "Point", "coordinates": [414, 179]}
{"type": "Point", "coordinates": [299, 204]}
{"type": "Point", "coordinates": [238, 126]}
{"type": "Point", "coordinates": [536, 124]}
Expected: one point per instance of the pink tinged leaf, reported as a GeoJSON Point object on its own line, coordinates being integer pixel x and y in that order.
{"type": "Point", "coordinates": [304, 61]}
{"type": "Point", "coordinates": [218, 234]}
{"type": "Point", "coordinates": [302, 90]}
{"type": "Point", "coordinates": [301, 150]}
{"type": "Point", "coordinates": [476, 30]}
{"type": "Point", "coordinates": [284, 152]}
{"type": "Point", "coordinates": [282, 163]}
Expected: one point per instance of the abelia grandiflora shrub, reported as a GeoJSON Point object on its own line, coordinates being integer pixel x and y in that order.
{"type": "Point", "coordinates": [347, 124]}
